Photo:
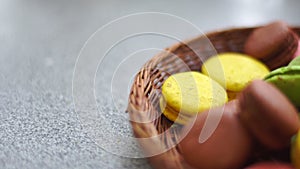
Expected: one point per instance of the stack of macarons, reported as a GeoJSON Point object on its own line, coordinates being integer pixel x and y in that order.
{"type": "Point", "coordinates": [262, 109]}
{"type": "Point", "coordinates": [261, 115]}
{"type": "Point", "coordinates": [188, 93]}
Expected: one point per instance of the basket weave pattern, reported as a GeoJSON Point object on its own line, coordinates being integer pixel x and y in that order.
{"type": "Point", "coordinates": [146, 118]}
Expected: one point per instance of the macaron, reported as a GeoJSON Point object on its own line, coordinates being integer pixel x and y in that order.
{"type": "Point", "coordinates": [270, 165]}
{"type": "Point", "coordinates": [234, 71]}
{"type": "Point", "coordinates": [295, 153]}
{"type": "Point", "coordinates": [187, 93]}
{"type": "Point", "coordinates": [287, 80]}
{"type": "Point", "coordinates": [229, 146]}
{"type": "Point", "coordinates": [268, 115]}
{"type": "Point", "coordinates": [275, 44]}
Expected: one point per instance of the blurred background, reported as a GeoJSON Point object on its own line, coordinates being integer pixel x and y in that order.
{"type": "Point", "coordinates": [40, 42]}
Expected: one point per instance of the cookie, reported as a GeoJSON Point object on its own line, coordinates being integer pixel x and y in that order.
{"type": "Point", "coordinates": [268, 115]}
{"type": "Point", "coordinates": [287, 80]}
{"type": "Point", "coordinates": [275, 44]}
{"type": "Point", "coordinates": [234, 71]}
{"type": "Point", "coordinates": [190, 93]}
{"type": "Point", "coordinates": [229, 146]}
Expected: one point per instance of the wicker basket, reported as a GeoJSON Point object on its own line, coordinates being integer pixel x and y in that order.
{"type": "Point", "coordinates": [146, 118]}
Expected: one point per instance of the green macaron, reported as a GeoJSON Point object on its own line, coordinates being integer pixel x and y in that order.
{"type": "Point", "coordinates": [287, 79]}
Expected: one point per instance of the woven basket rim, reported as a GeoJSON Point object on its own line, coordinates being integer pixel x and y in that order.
{"type": "Point", "coordinates": [138, 103]}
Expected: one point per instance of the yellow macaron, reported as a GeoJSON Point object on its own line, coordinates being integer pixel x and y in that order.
{"type": "Point", "coordinates": [234, 70]}
{"type": "Point", "coordinates": [189, 93]}
{"type": "Point", "coordinates": [296, 151]}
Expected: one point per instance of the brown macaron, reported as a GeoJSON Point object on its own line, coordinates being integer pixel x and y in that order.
{"type": "Point", "coordinates": [229, 146]}
{"type": "Point", "coordinates": [274, 44]}
{"type": "Point", "coordinates": [268, 114]}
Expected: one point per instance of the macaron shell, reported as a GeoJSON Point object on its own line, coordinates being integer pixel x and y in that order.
{"type": "Point", "coordinates": [229, 147]}
{"type": "Point", "coordinates": [268, 115]}
{"type": "Point", "coordinates": [287, 79]}
{"type": "Point", "coordinates": [263, 41]}
{"type": "Point", "coordinates": [275, 44]}
{"type": "Point", "coordinates": [238, 70]}
{"type": "Point", "coordinates": [192, 92]}
{"type": "Point", "coordinates": [286, 54]}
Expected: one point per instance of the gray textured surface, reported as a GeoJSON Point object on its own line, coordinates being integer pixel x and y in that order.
{"type": "Point", "coordinates": [40, 41]}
